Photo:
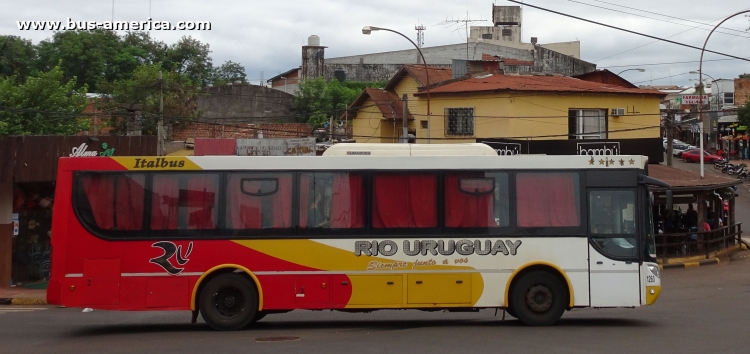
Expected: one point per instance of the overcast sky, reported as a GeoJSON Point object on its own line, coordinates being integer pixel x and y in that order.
{"type": "Point", "coordinates": [266, 36]}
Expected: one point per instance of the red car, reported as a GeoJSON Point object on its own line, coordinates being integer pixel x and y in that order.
{"type": "Point", "coordinates": [693, 155]}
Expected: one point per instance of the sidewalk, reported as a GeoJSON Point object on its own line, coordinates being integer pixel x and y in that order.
{"type": "Point", "coordinates": [23, 296]}
{"type": "Point", "coordinates": [724, 257]}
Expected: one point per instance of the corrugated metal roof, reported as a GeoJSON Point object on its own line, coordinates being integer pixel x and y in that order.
{"type": "Point", "coordinates": [499, 82]}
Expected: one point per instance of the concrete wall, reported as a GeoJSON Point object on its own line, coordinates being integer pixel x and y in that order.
{"type": "Point", "coordinates": [313, 58]}
{"type": "Point", "coordinates": [549, 61]}
{"type": "Point", "coordinates": [382, 66]}
{"type": "Point", "coordinates": [246, 103]}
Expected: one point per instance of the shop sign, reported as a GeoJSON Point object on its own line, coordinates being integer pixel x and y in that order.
{"type": "Point", "coordinates": [598, 148]}
{"type": "Point", "coordinates": [694, 99]}
{"type": "Point", "coordinates": [83, 151]}
{"type": "Point", "coordinates": [504, 149]}
{"type": "Point", "coordinates": [15, 224]}
{"type": "Point", "coordinates": [276, 147]}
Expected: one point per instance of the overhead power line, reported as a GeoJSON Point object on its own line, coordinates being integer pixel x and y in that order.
{"type": "Point", "coordinates": [627, 30]}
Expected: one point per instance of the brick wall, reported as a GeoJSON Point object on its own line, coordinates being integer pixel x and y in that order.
{"type": "Point", "coordinates": [241, 131]}
{"type": "Point", "coordinates": [741, 91]}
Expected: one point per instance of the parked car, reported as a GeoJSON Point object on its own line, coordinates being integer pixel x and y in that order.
{"type": "Point", "coordinates": [677, 149]}
{"type": "Point", "coordinates": [694, 155]}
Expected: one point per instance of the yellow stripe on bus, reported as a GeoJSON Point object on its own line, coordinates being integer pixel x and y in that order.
{"type": "Point", "coordinates": [147, 163]}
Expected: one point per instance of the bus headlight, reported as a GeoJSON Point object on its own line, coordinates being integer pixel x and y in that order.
{"type": "Point", "coordinates": [654, 269]}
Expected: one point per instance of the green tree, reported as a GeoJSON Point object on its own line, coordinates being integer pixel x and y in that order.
{"type": "Point", "coordinates": [142, 92]}
{"type": "Point", "coordinates": [191, 58]}
{"type": "Point", "coordinates": [317, 100]}
{"type": "Point", "coordinates": [45, 104]}
{"type": "Point", "coordinates": [743, 114]}
{"type": "Point", "coordinates": [17, 57]}
{"type": "Point", "coordinates": [89, 56]}
{"type": "Point", "coordinates": [228, 72]}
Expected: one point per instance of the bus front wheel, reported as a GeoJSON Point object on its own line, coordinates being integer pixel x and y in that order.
{"type": "Point", "coordinates": [538, 299]}
{"type": "Point", "coordinates": [229, 302]}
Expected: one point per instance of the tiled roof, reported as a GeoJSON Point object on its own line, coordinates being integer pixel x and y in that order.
{"type": "Point", "coordinates": [682, 179]}
{"type": "Point", "coordinates": [436, 74]}
{"type": "Point", "coordinates": [500, 82]}
{"type": "Point", "coordinates": [389, 104]}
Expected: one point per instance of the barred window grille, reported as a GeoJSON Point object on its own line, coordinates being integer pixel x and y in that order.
{"type": "Point", "coordinates": [459, 121]}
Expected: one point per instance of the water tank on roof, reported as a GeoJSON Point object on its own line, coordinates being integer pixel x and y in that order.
{"type": "Point", "coordinates": [313, 40]}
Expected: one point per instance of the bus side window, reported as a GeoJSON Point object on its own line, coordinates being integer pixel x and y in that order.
{"type": "Point", "coordinates": [612, 221]}
{"type": "Point", "coordinates": [476, 199]}
{"type": "Point", "coordinates": [259, 200]}
{"type": "Point", "coordinates": [404, 200]}
{"type": "Point", "coordinates": [184, 201]}
{"type": "Point", "coordinates": [331, 200]}
{"type": "Point", "coordinates": [548, 199]}
{"type": "Point", "coordinates": [112, 201]}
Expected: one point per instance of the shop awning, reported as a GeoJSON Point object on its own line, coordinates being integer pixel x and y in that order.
{"type": "Point", "coordinates": [728, 119]}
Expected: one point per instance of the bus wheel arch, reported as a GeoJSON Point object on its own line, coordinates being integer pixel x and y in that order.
{"type": "Point", "coordinates": [541, 280]}
{"type": "Point", "coordinates": [212, 273]}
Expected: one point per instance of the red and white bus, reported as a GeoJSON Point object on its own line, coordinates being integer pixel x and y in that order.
{"type": "Point", "coordinates": [364, 227]}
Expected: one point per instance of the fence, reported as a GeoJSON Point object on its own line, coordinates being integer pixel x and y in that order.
{"type": "Point", "coordinates": [699, 243]}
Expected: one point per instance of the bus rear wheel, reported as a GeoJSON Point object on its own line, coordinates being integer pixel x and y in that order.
{"type": "Point", "coordinates": [229, 302]}
{"type": "Point", "coordinates": [538, 299]}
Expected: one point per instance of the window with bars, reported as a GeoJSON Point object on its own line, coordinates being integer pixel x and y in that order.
{"type": "Point", "coordinates": [459, 121]}
{"type": "Point", "coordinates": [587, 124]}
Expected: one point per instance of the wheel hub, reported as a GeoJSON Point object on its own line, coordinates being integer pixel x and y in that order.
{"type": "Point", "coordinates": [539, 298]}
{"type": "Point", "coordinates": [229, 301]}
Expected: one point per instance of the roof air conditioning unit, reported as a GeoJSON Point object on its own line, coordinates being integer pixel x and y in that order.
{"type": "Point", "coordinates": [617, 112]}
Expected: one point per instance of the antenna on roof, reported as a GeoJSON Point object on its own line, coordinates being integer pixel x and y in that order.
{"type": "Point", "coordinates": [461, 23]}
{"type": "Point", "coordinates": [420, 35]}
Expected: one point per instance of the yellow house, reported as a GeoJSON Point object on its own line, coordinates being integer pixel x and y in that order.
{"type": "Point", "coordinates": [514, 113]}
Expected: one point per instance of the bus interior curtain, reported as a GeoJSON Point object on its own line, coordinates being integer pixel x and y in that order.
{"type": "Point", "coordinates": [246, 211]}
{"type": "Point", "coordinates": [547, 200]}
{"type": "Point", "coordinates": [347, 203]}
{"type": "Point", "coordinates": [129, 202]}
{"type": "Point", "coordinates": [99, 191]}
{"type": "Point", "coordinates": [164, 202]}
{"type": "Point", "coordinates": [468, 210]}
{"type": "Point", "coordinates": [401, 201]}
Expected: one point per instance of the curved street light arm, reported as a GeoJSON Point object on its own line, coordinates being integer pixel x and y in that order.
{"type": "Point", "coordinates": [368, 29]}
{"type": "Point", "coordinates": [700, 79]}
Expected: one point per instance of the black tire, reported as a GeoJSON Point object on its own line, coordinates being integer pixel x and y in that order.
{"type": "Point", "coordinates": [259, 316]}
{"type": "Point", "coordinates": [538, 298]}
{"type": "Point", "coordinates": [510, 311]}
{"type": "Point", "coordinates": [229, 302]}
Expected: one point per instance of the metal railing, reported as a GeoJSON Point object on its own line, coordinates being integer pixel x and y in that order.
{"type": "Point", "coordinates": [697, 243]}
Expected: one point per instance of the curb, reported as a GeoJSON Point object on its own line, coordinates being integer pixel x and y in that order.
{"type": "Point", "coordinates": [705, 262]}
{"type": "Point", "coordinates": [22, 301]}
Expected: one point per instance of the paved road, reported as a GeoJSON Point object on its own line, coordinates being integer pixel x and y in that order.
{"type": "Point", "coordinates": [701, 310]}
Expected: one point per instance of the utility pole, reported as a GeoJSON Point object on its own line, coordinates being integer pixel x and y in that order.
{"type": "Point", "coordinates": [670, 130]}
{"type": "Point", "coordinates": [160, 129]}
{"type": "Point", "coordinates": [404, 124]}
{"type": "Point", "coordinates": [330, 126]}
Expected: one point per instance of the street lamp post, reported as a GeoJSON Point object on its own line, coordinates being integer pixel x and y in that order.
{"type": "Point", "coordinates": [405, 132]}
{"type": "Point", "coordinates": [639, 69]}
{"type": "Point", "coordinates": [700, 79]}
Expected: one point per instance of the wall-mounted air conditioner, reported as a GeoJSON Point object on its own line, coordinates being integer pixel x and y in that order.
{"type": "Point", "coordinates": [617, 112]}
